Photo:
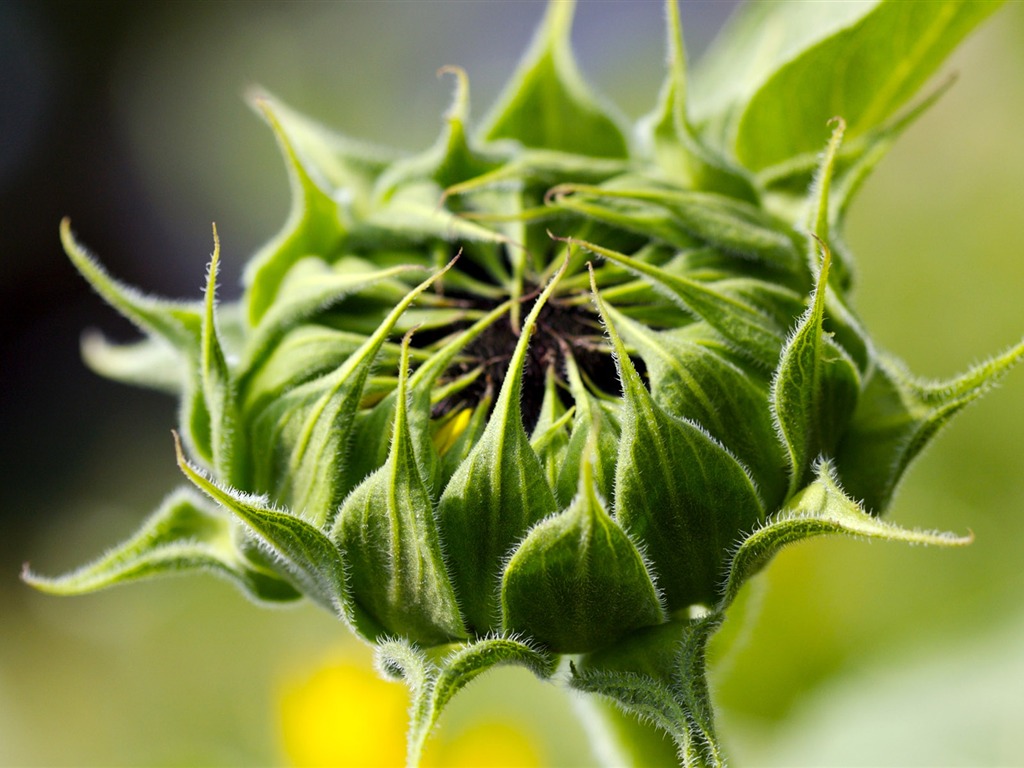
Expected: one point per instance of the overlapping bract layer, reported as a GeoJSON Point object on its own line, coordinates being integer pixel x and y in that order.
{"type": "Point", "coordinates": [555, 459]}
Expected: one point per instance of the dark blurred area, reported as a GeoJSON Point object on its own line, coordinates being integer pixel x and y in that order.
{"type": "Point", "coordinates": [61, 155]}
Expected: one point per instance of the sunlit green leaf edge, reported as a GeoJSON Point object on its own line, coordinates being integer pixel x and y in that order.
{"type": "Point", "coordinates": [821, 508]}
{"type": "Point", "coordinates": [182, 535]}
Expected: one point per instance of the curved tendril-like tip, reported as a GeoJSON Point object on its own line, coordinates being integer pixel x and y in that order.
{"type": "Point", "coordinates": [557, 22]}
{"type": "Point", "coordinates": [256, 97]}
{"type": "Point", "coordinates": [826, 252]}
{"type": "Point", "coordinates": [818, 224]}
{"type": "Point", "coordinates": [179, 453]}
{"type": "Point", "coordinates": [459, 109]}
{"type": "Point", "coordinates": [593, 286]}
{"type": "Point", "coordinates": [557, 192]}
{"type": "Point", "coordinates": [570, 241]}
{"type": "Point", "coordinates": [445, 268]}
{"type": "Point", "coordinates": [456, 257]}
{"type": "Point", "coordinates": [212, 273]}
{"type": "Point", "coordinates": [567, 240]}
{"type": "Point", "coordinates": [443, 199]}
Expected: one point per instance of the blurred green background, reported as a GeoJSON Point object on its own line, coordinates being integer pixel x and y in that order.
{"type": "Point", "coordinates": [129, 118]}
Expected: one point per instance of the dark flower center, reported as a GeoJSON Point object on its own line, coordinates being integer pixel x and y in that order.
{"type": "Point", "coordinates": [563, 328]}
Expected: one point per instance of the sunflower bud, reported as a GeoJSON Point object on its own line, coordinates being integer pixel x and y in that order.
{"type": "Point", "coordinates": [629, 373]}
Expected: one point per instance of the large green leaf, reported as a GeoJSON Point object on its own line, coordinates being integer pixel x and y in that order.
{"type": "Point", "coordinates": [786, 184]}
{"type": "Point", "coordinates": [758, 40]}
{"type": "Point", "coordinates": [875, 55]}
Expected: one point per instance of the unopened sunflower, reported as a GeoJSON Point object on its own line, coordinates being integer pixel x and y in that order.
{"type": "Point", "coordinates": [551, 387]}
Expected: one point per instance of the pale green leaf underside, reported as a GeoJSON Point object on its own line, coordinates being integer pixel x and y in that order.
{"type": "Point", "coordinates": [821, 508]}
{"type": "Point", "coordinates": [898, 414]}
{"type": "Point", "coordinates": [182, 535]}
{"type": "Point", "coordinates": [150, 362]}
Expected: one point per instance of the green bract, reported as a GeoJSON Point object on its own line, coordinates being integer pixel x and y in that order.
{"type": "Point", "coordinates": [554, 387]}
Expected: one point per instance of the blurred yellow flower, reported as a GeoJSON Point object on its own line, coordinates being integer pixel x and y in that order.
{"type": "Point", "coordinates": [343, 715]}
{"type": "Point", "coordinates": [491, 744]}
